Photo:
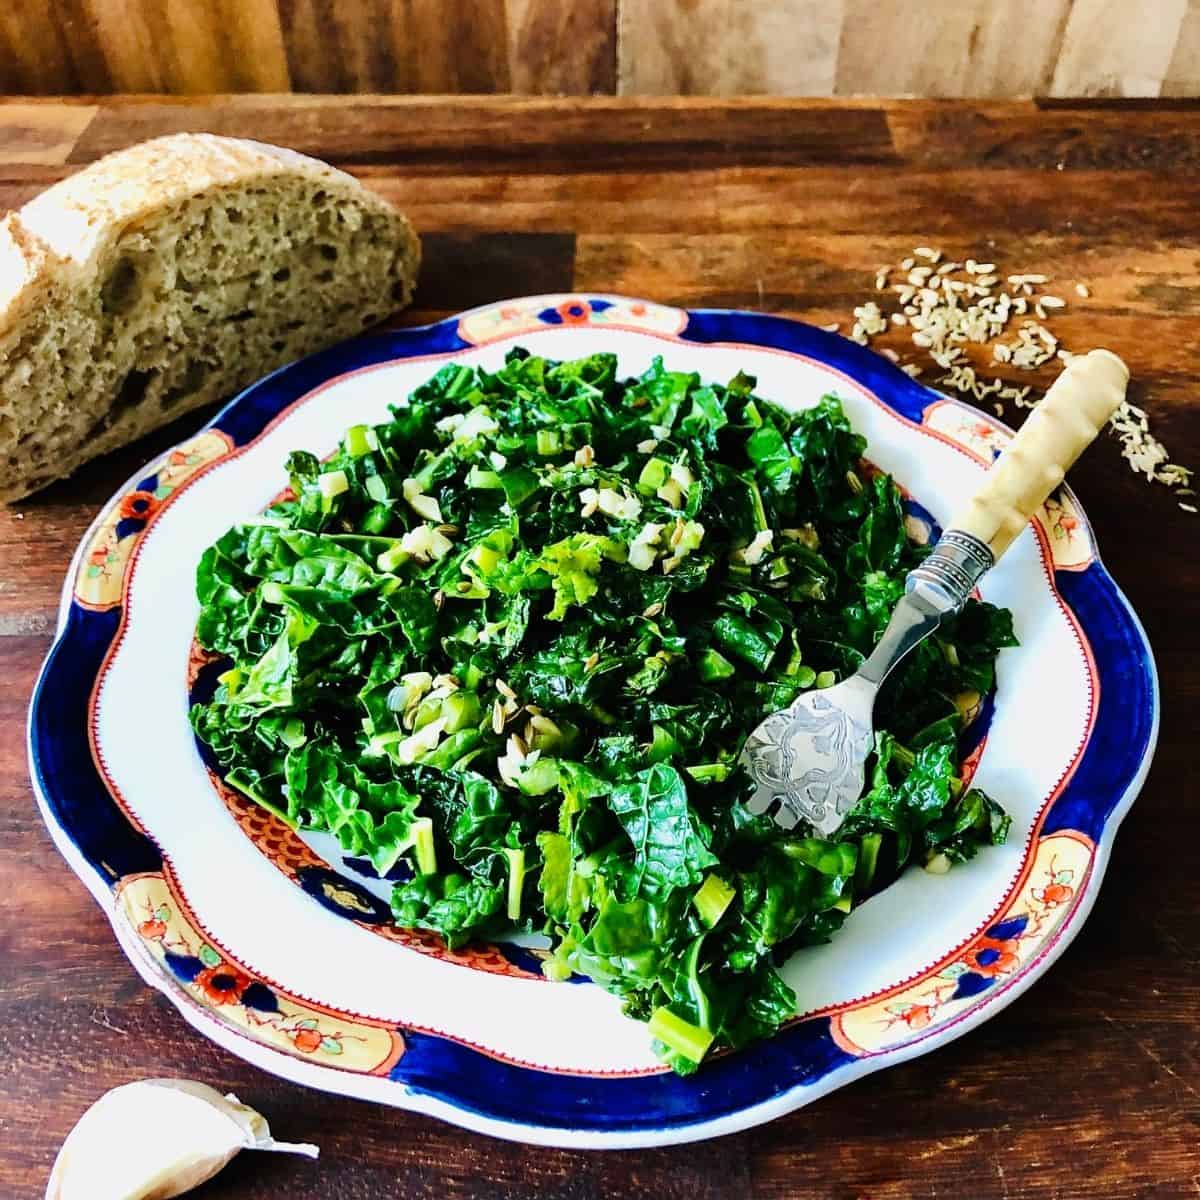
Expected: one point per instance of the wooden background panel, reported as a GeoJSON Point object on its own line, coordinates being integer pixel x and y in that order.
{"type": "Point", "coordinates": [104, 46]}
{"type": "Point", "coordinates": [189, 47]}
{"type": "Point", "coordinates": [969, 48]}
{"type": "Point", "coordinates": [530, 47]}
{"type": "Point", "coordinates": [937, 48]}
{"type": "Point", "coordinates": [1181, 74]}
{"type": "Point", "coordinates": [1094, 62]}
{"type": "Point", "coordinates": [380, 46]}
{"type": "Point", "coordinates": [557, 48]}
{"type": "Point", "coordinates": [728, 47]}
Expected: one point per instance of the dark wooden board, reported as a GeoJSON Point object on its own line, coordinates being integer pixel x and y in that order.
{"type": "Point", "coordinates": [1087, 1085]}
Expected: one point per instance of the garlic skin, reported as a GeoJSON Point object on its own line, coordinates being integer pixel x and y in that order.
{"type": "Point", "coordinates": [155, 1139]}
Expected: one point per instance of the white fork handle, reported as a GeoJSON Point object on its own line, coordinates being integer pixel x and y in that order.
{"type": "Point", "coordinates": [1056, 433]}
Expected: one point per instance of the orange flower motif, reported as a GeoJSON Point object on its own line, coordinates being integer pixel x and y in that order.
{"type": "Point", "coordinates": [177, 458]}
{"type": "Point", "coordinates": [918, 1016]}
{"type": "Point", "coordinates": [574, 312]}
{"type": "Point", "coordinates": [914, 1016]}
{"type": "Point", "coordinates": [1053, 894]}
{"type": "Point", "coordinates": [991, 957]}
{"type": "Point", "coordinates": [637, 310]}
{"type": "Point", "coordinates": [222, 984]}
{"type": "Point", "coordinates": [306, 1040]}
{"type": "Point", "coordinates": [137, 506]}
{"type": "Point", "coordinates": [152, 929]}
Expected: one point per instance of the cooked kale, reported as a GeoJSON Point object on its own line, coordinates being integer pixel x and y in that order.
{"type": "Point", "coordinates": [516, 636]}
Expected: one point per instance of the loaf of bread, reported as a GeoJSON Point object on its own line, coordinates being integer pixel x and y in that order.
{"type": "Point", "coordinates": [170, 275]}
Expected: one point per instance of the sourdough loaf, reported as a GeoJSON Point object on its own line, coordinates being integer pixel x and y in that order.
{"type": "Point", "coordinates": [170, 275]}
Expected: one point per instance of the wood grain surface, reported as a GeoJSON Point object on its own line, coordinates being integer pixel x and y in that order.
{"type": "Point", "coordinates": [936, 48]}
{"type": "Point", "coordinates": [1087, 1086]}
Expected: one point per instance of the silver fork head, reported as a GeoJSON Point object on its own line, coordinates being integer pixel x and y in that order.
{"type": "Point", "coordinates": [807, 761]}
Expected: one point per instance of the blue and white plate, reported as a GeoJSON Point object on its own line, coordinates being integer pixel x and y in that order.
{"type": "Point", "coordinates": [281, 951]}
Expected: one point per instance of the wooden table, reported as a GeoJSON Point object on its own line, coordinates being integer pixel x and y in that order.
{"type": "Point", "coordinates": [1084, 1087]}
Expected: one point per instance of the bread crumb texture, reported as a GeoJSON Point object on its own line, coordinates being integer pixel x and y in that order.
{"type": "Point", "coordinates": [169, 276]}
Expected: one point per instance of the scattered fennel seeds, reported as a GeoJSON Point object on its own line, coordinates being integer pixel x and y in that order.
{"type": "Point", "coordinates": [946, 306]}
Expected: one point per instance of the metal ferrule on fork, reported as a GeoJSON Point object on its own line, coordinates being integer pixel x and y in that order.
{"type": "Point", "coordinates": [952, 568]}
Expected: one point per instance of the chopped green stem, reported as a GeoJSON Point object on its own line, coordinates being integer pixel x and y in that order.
{"type": "Point", "coordinates": [681, 1036]}
{"type": "Point", "coordinates": [422, 830]}
{"type": "Point", "coordinates": [254, 794]}
{"type": "Point", "coordinates": [712, 898]}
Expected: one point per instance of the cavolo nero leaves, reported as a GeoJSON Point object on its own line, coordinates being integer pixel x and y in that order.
{"type": "Point", "coordinates": [512, 639]}
{"type": "Point", "coordinates": [669, 841]}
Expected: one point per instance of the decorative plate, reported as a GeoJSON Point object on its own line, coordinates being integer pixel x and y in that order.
{"type": "Point", "coordinates": [281, 951]}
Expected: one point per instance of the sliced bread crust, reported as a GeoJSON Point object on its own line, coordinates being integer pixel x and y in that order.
{"type": "Point", "coordinates": [170, 275]}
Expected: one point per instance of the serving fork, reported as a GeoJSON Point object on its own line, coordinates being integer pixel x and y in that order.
{"type": "Point", "coordinates": [808, 760]}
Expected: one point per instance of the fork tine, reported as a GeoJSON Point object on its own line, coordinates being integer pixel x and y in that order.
{"type": "Point", "coordinates": [764, 800]}
{"type": "Point", "coordinates": [760, 802]}
{"type": "Point", "coordinates": [786, 817]}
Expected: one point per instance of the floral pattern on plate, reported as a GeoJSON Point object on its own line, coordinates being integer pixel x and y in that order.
{"type": "Point", "coordinates": [1041, 906]}
{"type": "Point", "coordinates": [101, 575]}
{"type": "Point", "coordinates": [523, 316]}
{"type": "Point", "coordinates": [248, 1005]}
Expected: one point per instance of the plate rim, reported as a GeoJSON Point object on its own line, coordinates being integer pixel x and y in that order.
{"type": "Point", "coordinates": [565, 1135]}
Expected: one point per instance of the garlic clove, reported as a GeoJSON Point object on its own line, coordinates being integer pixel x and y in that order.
{"type": "Point", "coordinates": [155, 1139]}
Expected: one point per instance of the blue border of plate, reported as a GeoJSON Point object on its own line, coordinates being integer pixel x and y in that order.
{"type": "Point", "coordinates": [465, 1078]}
